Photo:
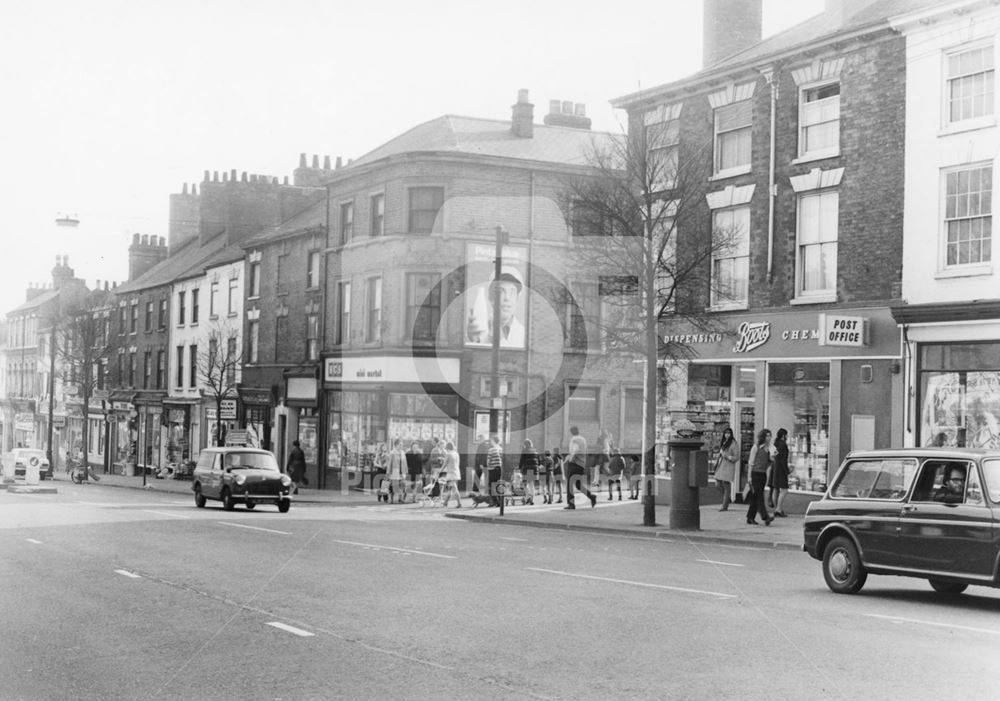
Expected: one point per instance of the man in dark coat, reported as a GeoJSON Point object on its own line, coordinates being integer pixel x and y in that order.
{"type": "Point", "coordinates": [296, 468]}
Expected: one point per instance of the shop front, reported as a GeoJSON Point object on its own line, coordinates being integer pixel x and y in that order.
{"type": "Point", "coordinates": [177, 417]}
{"type": "Point", "coordinates": [953, 373]}
{"type": "Point", "coordinates": [831, 380]}
{"type": "Point", "coordinates": [123, 433]}
{"type": "Point", "coordinates": [301, 421]}
{"type": "Point", "coordinates": [220, 419]}
{"type": "Point", "coordinates": [373, 401]}
{"type": "Point", "coordinates": [256, 415]}
{"type": "Point", "coordinates": [149, 429]}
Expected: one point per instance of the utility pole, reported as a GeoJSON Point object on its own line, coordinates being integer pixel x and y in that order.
{"type": "Point", "coordinates": [52, 381]}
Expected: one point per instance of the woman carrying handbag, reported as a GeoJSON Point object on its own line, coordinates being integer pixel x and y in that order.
{"type": "Point", "coordinates": [727, 466]}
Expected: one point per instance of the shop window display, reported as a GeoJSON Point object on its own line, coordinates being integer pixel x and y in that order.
{"type": "Point", "coordinates": [799, 400]}
{"type": "Point", "coordinates": [960, 395]}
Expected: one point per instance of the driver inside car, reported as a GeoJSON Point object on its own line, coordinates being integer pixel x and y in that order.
{"type": "Point", "coordinates": [953, 489]}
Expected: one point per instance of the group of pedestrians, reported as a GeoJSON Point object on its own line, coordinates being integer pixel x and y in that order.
{"type": "Point", "coordinates": [767, 479]}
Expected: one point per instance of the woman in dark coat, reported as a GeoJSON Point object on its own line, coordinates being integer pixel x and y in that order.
{"type": "Point", "coordinates": [296, 467]}
{"type": "Point", "coordinates": [779, 472]}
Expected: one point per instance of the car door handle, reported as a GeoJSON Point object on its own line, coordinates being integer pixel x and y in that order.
{"type": "Point", "coordinates": [908, 509]}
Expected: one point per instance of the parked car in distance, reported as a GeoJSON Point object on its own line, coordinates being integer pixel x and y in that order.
{"type": "Point", "coordinates": [23, 457]}
{"type": "Point", "coordinates": [240, 475]}
{"type": "Point", "coordinates": [931, 513]}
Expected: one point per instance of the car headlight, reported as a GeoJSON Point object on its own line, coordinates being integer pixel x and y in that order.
{"type": "Point", "coordinates": [240, 479]}
{"type": "Point", "coordinates": [286, 481]}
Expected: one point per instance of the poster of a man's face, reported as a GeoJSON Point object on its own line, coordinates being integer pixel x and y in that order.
{"type": "Point", "coordinates": [482, 283]}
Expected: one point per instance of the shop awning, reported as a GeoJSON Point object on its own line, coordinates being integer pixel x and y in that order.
{"type": "Point", "coordinates": [256, 395]}
{"type": "Point", "coordinates": [975, 310]}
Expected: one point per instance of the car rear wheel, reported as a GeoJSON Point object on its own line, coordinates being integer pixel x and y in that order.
{"type": "Point", "coordinates": [227, 500]}
{"type": "Point", "coordinates": [842, 568]}
{"type": "Point", "coordinates": [199, 498]}
{"type": "Point", "coordinates": [945, 587]}
{"type": "Point", "coordinates": [284, 505]}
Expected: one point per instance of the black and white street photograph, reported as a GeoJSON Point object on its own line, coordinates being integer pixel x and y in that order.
{"type": "Point", "coordinates": [454, 350]}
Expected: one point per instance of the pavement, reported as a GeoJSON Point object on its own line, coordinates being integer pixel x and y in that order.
{"type": "Point", "coordinates": [608, 517]}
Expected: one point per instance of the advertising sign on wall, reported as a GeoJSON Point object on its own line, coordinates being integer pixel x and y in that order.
{"type": "Point", "coordinates": [480, 285]}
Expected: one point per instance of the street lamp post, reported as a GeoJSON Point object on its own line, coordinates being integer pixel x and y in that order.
{"type": "Point", "coordinates": [502, 236]}
{"type": "Point", "coordinates": [52, 385]}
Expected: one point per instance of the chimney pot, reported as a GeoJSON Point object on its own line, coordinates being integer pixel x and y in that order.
{"type": "Point", "coordinates": [232, 175]}
{"type": "Point", "coordinates": [286, 180]}
{"type": "Point", "coordinates": [580, 109]}
{"type": "Point", "coordinates": [135, 242]}
{"type": "Point", "coordinates": [194, 189]}
{"type": "Point", "coordinates": [184, 189]}
{"type": "Point", "coordinates": [326, 163]}
{"type": "Point", "coordinates": [215, 177]}
{"type": "Point", "coordinates": [315, 161]}
{"type": "Point", "coordinates": [554, 106]}
{"type": "Point", "coordinates": [205, 177]}
{"type": "Point", "coordinates": [302, 160]}
{"type": "Point", "coordinates": [567, 107]}
{"type": "Point", "coordinates": [340, 163]}
{"type": "Point", "coordinates": [523, 116]}
{"type": "Point", "coordinates": [145, 239]}
{"type": "Point", "coordinates": [243, 178]}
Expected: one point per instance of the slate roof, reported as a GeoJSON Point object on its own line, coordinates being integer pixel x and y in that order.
{"type": "Point", "coordinates": [309, 218]}
{"type": "Point", "coordinates": [490, 137]}
{"type": "Point", "coordinates": [824, 26]}
{"type": "Point", "coordinates": [190, 258]}
{"type": "Point", "coordinates": [36, 301]}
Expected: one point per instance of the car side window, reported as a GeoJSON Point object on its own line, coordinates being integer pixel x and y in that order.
{"type": "Point", "coordinates": [973, 491]}
{"type": "Point", "coordinates": [875, 479]}
{"type": "Point", "coordinates": [933, 483]}
{"type": "Point", "coordinates": [991, 470]}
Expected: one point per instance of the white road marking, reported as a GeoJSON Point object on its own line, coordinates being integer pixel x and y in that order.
{"type": "Point", "coordinates": [126, 573]}
{"type": "Point", "coordinates": [165, 513]}
{"type": "Point", "coordinates": [635, 584]}
{"type": "Point", "coordinates": [253, 528]}
{"type": "Point", "coordinates": [32, 540]}
{"type": "Point", "coordinates": [516, 540]}
{"type": "Point", "coordinates": [400, 550]}
{"type": "Point", "coordinates": [291, 629]}
{"type": "Point", "coordinates": [716, 562]}
{"type": "Point", "coordinates": [899, 619]}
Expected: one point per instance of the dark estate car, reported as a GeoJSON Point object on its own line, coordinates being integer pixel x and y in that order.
{"type": "Point", "coordinates": [238, 474]}
{"type": "Point", "coordinates": [932, 513]}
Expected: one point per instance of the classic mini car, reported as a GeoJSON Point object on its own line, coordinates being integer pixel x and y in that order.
{"type": "Point", "coordinates": [932, 513]}
{"type": "Point", "coordinates": [23, 457]}
{"type": "Point", "coordinates": [237, 474]}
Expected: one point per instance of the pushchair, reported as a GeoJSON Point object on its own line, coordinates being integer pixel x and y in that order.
{"type": "Point", "coordinates": [519, 488]}
{"type": "Point", "coordinates": [431, 493]}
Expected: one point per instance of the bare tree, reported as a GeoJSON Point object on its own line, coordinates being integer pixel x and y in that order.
{"type": "Point", "coordinates": [218, 369]}
{"type": "Point", "coordinates": [85, 345]}
{"type": "Point", "coordinates": [641, 219]}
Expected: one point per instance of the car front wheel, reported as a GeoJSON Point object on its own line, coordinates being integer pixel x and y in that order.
{"type": "Point", "coordinates": [945, 587]}
{"type": "Point", "coordinates": [284, 505]}
{"type": "Point", "coordinates": [842, 568]}
{"type": "Point", "coordinates": [227, 500]}
{"type": "Point", "coordinates": [199, 498]}
{"type": "Point", "coordinates": [250, 505]}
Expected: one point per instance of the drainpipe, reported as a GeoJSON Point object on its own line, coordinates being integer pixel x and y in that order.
{"type": "Point", "coordinates": [772, 189]}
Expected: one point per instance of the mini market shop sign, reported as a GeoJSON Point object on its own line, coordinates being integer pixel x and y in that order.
{"type": "Point", "coordinates": [392, 369]}
{"type": "Point", "coordinates": [836, 330]}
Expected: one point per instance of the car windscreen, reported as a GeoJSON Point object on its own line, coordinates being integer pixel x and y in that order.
{"type": "Point", "coordinates": [252, 461]}
{"type": "Point", "coordinates": [991, 471]}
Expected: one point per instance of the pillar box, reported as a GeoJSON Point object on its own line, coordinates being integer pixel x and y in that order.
{"type": "Point", "coordinates": [688, 472]}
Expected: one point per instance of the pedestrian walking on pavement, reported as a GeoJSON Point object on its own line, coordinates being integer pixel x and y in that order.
{"type": "Point", "coordinates": [727, 465]}
{"type": "Point", "coordinates": [494, 469]}
{"type": "Point", "coordinates": [576, 469]}
{"type": "Point", "coordinates": [759, 462]}
{"type": "Point", "coordinates": [529, 465]}
{"type": "Point", "coordinates": [397, 473]}
{"type": "Point", "coordinates": [558, 475]}
{"type": "Point", "coordinates": [779, 472]}
{"type": "Point", "coordinates": [415, 468]}
{"type": "Point", "coordinates": [296, 467]}
{"type": "Point", "coordinates": [602, 457]}
{"type": "Point", "coordinates": [634, 471]}
{"type": "Point", "coordinates": [451, 473]}
{"type": "Point", "coordinates": [616, 471]}
{"type": "Point", "coordinates": [545, 480]}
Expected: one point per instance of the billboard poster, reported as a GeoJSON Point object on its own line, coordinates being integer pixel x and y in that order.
{"type": "Point", "coordinates": [479, 285]}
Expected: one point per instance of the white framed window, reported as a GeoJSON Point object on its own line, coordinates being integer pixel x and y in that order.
{"type": "Point", "coordinates": [213, 298]}
{"type": "Point", "coordinates": [733, 124]}
{"type": "Point", "coordinates": [373, 309]}
{"type": "Point", "coordinates": [969, 84]}
{"type": "Point", "coordinates": [233, 295]}
{"type": "Point", "coordinates": [968, 215]}
{"type": "Point", "coordinates": [816, 244]}
{"type": "Point", "coordinates": [662, 134]}
{"type": "Point", "coordinates": [819, 120]}
{"type": "Point", "coordinates": [254, 279]}
{"type": "Point", "coordinates": [312, 269]}
{"type": "Point", "coordinates": [343, 331]}
{"type": "Point", "coordinates": [377, 224]}
{"type": "Point", "coordinates": [730, 285]}
{"type": "Point", "coordinates": [346, 222]}
{"type": "Point", "coordinates": [424, 207]}
{"type": "Point", "coordinates": [312, 336]}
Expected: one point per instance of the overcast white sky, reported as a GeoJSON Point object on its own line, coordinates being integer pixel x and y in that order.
{"type": "Point", "coordinates": [111, 105]}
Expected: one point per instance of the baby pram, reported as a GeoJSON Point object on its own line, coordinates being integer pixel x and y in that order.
{"type": "Point", "coordinates": [431, 493]}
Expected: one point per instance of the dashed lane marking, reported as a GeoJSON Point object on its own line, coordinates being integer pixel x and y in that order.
{"type": "Point", "coordinates": [398, 550]}
{"type": "Point", "coordinates": [716, 562]}
{"type": "Point", "coordinates": [164, 513]}
{"type": "Point", "coordinates": [292, 629]}
{"type": "Point", "coordinates": [516, 540]}
{"type": "Point", "coordinates": [32, 540]}
{"type": "Point", "coordinates": [252, 528]}
{"type": "Point", "coordinates": [647, 585]}
{"type": "Point", "coordinates": [126, 573]}
{"type": "Point", "coordinates": [917, 621]}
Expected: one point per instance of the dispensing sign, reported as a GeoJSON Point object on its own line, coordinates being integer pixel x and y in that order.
{"type": "Point", "coordinates": [835, 330]}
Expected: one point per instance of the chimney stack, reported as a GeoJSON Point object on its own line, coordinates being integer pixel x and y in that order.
{"type": "Point", "coordinates": [729, 26]}
{"type": "Point", "coordinates": [523, 116]}
{"type": "Point", "coordinates": [565, 113]}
